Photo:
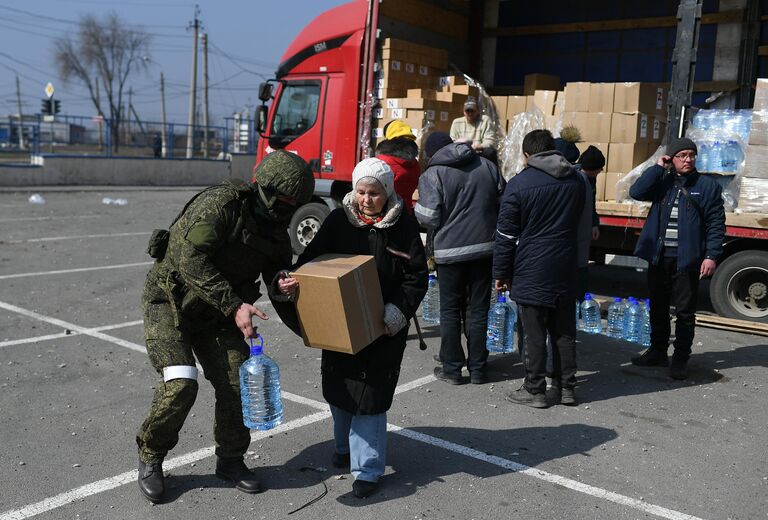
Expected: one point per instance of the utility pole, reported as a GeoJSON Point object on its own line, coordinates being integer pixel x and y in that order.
{"type": "Point", "coordinates": [21, 117]}
{"type": "Point", "coordinates": [205, 95]}
{"type": "Point", "coordinates": [193, 88]}
{"type": "Point", "coordinates": [163, 133]}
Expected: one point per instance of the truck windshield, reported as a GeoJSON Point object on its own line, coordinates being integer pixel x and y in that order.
{"type": "Point", "coordinates": [297, 109]}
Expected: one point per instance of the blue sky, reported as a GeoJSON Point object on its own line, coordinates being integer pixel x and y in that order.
{"type": "Point", "coordinates": [246, 38]}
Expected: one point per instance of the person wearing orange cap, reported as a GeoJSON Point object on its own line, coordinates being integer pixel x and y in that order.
{"type": "Point", "coordinates": [400, 152]}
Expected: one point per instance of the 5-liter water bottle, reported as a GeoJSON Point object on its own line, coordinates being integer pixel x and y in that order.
{"type": "Point", "coordinates": [590, 315]}
{"type": "Point", "coordinates": [579, 325]}
{"type": "Point", "coordinates": [633, 322]}
{"type": "Point", "coordinates": [260, 390]}
{"type": "Point", "coordinates": [496, 336]}
{"type": "Point", "coordinates": [702, 159]}
{"type": "Point", "coordinates": [430, 307]}
{"type": "Point", "coordinates": [645, 325]}
{"type": "Point", "coordinates": [615, 325]}
{"type": "Point", "coordinates": [716, 157]}
{"type": "Point", "coordinates": [731, 157]}
{"type": "Point", "coordinates": [509, 332]}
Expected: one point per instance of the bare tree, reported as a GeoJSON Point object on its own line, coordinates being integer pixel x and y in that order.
{"type": "Point", "coordinates": [103, 53]}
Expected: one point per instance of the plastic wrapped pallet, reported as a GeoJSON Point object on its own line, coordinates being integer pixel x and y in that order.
{"type": "Point", "coordinates": [753, 195]}
{"type": "Point", "coordinates": [511, 158]}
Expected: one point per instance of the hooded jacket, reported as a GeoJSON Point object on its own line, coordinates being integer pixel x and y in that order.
{"type": "Point", "coordinates": [535, 246]}
{"type": "Point", "coordinates": [459, 196]}
{"type": "Point", "coordinates": [700, 232]}
{"type": "Point", "coordinates": [407, 173]}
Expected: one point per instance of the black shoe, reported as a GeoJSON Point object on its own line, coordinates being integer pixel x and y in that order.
{"type": "Point", "coordinates": [340, 460]}
{"type": "Point", "coordinates": [679, 368]}
{"type": "Point", "coordinates": [450, 379]}
{"type": "Point", "coordinates": [152, 481]}
{"type": "Point", "coordinates": [437, 359]}
{"type": "Point", "coordinates": [524, 397]}
{"type": "Point", "coordinates": [363, 488]}
{"type": "Point", "coordinates": [568, 397]}
{"type": "Point", "coordinates": [477, 377]}
{"type": "Point", "coordinates": [651, 358]}
{"type": "Point", "coordinates": [238, 473]}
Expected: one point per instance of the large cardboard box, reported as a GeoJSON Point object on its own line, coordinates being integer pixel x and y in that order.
{"type": "Point", "coordinates": [611, 178]}
{"type": "Point", "coordinates": [630, 128]}
{"type": "Point", "coordinates": [501, 106]}
{"type": "Point", "coordinates": [577, 97]}
{"type": "Point", "coordinates": [545, 101]}
{"type": "Point", "coordinates": [756, 162]}
{"type": "Point", "coordinates": [593, 127]}
{"type": "Point", "coordinates": [515, 105]}
{"type": "Point", "coordinates": [623, 157]}
{"type": "Point", "coordinates": [759, 133]}
{"type": "Point", "coordinates": [631, 97]}
{"type": "Point", "coordinates": [761, 94]}
{"type": "Point", "coordinates": [601, 97]}
{"type": "Point", "coordinates": [339, 302]}
{"type": "Point", "coordinates": [600, 187]}
{"type": "Point", "coordinates": [534, 82]}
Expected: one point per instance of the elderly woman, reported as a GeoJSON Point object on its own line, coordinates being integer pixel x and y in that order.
{"type": "Point", "coordinates": [360, 387]}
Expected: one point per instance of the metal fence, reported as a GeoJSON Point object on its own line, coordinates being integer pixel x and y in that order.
{"type": "Point", "coordinates": [78, 135]}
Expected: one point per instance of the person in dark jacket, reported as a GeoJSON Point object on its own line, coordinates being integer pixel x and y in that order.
{"type": "Point", "coordinates": [681, 240]}
{"type": "Point", "coordinates": [590, 164]}
{"type": "Point", "coordinates": [535, 257]}
{"type": "Point", "coordinates": [459, 199]}
{"type": "Point", "coordinates": [400, 152]}
{"type": "Point", "coordinates": [360, 387]}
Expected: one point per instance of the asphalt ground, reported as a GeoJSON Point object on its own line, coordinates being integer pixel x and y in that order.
{"type": "Point", "coordinates": [75, 385]}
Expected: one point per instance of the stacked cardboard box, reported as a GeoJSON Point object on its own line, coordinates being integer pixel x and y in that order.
{"type": "Point", "coordinates": [624, 120]}
{"type": "Point", "coordinates": [410, 86]}
{"type": "Point", "coordinates": [753, 192]}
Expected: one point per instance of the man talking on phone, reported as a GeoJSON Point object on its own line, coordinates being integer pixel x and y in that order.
{"type": "Point", "coordinates": [681, 240]}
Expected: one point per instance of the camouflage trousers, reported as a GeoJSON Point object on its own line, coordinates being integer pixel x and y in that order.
{"type": "Point", "coordinates": [220, 352]}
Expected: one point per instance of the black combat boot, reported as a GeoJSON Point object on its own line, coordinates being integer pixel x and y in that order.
{"type": "Point", "coordinates": [678, 369]}
{"type": "Point", "coordinates": [151, 481]}
{"type": "Point", "coordinates": [651, 358]}
{"type": "Point", "coordinates": [238, 473]}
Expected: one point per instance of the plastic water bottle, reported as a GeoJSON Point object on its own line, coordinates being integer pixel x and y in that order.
{"type": "Point", "coordinates": [260, 390]}
{"type": "Point", "coordinates": [590, 315]}
{"type": "Point", "coordinates": [496, 336]}
{"type": "Point", "coordinates": [716, 157]}
{"type": "Point", "coordinates": [615, 326]}
{"type": "Point", "coordinates": [645, 325]}
{"type": "Point", "coordinates": [430, 307]}
{"type": "Point", "coordinates": [579, 326]}
{"type": "Point", "coordinates": [702, 159]}
{"type": "Point", "coordinates": [633, 322]}
{"type": "Point", "coordinates": [731, 157]}
{"type": "Point", "coordinates": [510, 327]}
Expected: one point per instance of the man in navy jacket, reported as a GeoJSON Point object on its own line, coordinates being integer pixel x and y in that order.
{"type": "Point", "coordinates": [535, 256]}
{"type": "Point", "coordinates": [682, 240]}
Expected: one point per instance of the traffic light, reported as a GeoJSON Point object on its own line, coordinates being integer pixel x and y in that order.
{"type": "Point", "coordinates": [46, 109]}
{"type": "Point", "coordinates": [56, 106]}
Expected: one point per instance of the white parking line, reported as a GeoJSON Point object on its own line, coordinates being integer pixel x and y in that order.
{"type": "Point", "coordinates": [37, 339]}
{"type": "Point", "coordinates": [77, 270]}
{"type": "Point", "coordinates": [75, 237]}
{"type": "Point", "coordinates": [53, 217]}
{"type": "Point", "coordinates": [71, 326]}
{"type": "Point", "coordinates": [130, 476]}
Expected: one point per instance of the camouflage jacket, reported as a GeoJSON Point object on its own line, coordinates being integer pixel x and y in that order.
{"type": "Point", "coordinates": [218, 247]}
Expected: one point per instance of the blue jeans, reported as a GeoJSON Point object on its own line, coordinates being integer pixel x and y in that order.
{"type": "Point", "coordinates": [364, 437]}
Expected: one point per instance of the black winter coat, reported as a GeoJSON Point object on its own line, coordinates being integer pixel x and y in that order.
{"type": "Point", "coordinates": [365, 383]}
{"type": "Point", "coordinates": [536, 234]}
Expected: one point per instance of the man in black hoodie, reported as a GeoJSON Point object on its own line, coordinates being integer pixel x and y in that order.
{"type": "Point", "coordinates": [535, 257]}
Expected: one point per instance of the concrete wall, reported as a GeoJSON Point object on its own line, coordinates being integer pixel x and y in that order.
{"type": "Point", "coordinates": [59, 170]}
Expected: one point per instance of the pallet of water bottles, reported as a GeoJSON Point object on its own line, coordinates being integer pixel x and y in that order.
{"type": "Point", "coordinates": [628, 319]}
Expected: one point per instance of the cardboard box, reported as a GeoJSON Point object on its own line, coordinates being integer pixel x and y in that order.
{"type": "Point", "coordinates": [577, 97]}
{"type": "Point", "coordinates": [534, 82]}
{"type": "Point", "coordinates": [421, 93]}
{"type": "Point", "coordinates": [632, 97]}
{"type": "Point", "coordinates": [339, 302]}
{"type": "Point", "coordinates": [528, 103]}
{"type": "Point", "coordinates": [600, 187]}
{"type": "Point", "coordinates": [545, 101]}
{"type": "Point", "coordinates": [601, 97]}
{"type": "Point", "coordinates": [611, 178]}
{"type": "Point", "coordinates": [658, 128]}
{"type": "Point", "coordinates": [451, 97]}
{"type": "Point", "coordinates": [630, 128]}
{"type": "Point", "coordinates": [753, 195]}
{"type": "Point", "coordinates": [759, 132]}
{"type": "Point", "coordinates": [515, 105]}
{"type": "Point", "coordinates": [451, 81]}
{"type": "Point", "coordinates": [756, 162]}
{"type": "Point", "coordinates": [501, 106]}
{"type": "Point", "coordinates": [623, 157]}
{"type": "Point", "coordinates": [761, 94]}
{"type": "Point", "coordinates": [465, 90]}
{"type": "Point", "coordinates": [593, 127]}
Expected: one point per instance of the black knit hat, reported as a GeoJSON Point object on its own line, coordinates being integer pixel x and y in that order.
{"type": "Point", "coordinates": [592, 159]}
{"type": "Point", "coordinates": [435, 141]}
{"type": "Point", "coordinates": [678, 145]}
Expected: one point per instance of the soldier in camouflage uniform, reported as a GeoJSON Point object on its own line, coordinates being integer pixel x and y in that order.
{"type": "Point", "coordinates": [197, 305]}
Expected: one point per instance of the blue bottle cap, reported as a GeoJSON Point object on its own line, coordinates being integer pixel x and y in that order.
{"type": "Point", "coordinates": [587, 296]}
{"type": "Point", "coordinates": [257, 350]}
{"type": "Point", "coordinates": [432, 277]}
{"type": "Point", "coordinates": [502, 298]}
{"type": "Point", "coordinates": [617, 300]}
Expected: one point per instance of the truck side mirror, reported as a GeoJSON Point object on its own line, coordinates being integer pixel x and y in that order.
{"type": "Point", "coordinates": [261, 119]}
{"type": "Point", "coordinates": [265, 92]}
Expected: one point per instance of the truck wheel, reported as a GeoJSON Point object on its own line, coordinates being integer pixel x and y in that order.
{"type": "Point", "coordinates": [305, 223]}
{"type": "Point", "coordinates": [739, 288]}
